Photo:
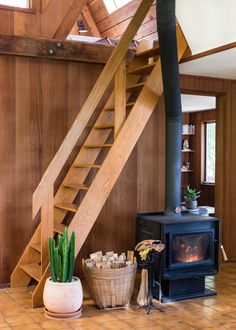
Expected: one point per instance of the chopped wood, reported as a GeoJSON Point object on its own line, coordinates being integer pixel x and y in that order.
{"type": "Point", "coordinates": [110, 260]}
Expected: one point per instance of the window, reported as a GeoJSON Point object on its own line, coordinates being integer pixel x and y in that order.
{"type": "Point", "coordinates": [16, 3]}
{"type": "Point", "coordinates": [210, 152]}
{"type": "Point", "coordinates": [113, 5]}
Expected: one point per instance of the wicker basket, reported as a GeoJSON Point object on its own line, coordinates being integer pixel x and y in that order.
{"type": "Point", "coordinates": [111, 288]}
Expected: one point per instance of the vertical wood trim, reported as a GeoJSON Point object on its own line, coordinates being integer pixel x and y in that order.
{"type": "Point", "coordinates": [47, 212]}
{"type": "Point", "coordinates": [120, 97]}
{"type": "Point", "coordinates": [203, 151]}
{"type": "Point", "coordinates": [89, 22]}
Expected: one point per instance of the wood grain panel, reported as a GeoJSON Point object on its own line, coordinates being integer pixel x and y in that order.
{"type": "Point", "coordinates": [151, 163]}
{"type": "Point", "coordinates": [8, 211]}
{"type": "Point", "coordinates": [37, 110]}
{"type": "Point", "coordinates": [36, 22]}
{"type": "Point", "coordinates": [39, 23]}
{"type": "Point", "coordinates": [118, 16]}
{"type": "Point", "coordinates": [114, 24]}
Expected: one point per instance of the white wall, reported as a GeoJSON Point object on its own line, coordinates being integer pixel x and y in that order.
{"type": "Point", "coordinates": [207, 24]}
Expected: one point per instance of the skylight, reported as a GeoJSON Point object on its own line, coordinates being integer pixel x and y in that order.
{"type": "Point", "coordinates": [113, 5]}
{"type": "Point", "coordinates": [15, 3]}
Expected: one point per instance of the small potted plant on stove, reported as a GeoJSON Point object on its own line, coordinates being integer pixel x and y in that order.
{"type": "Point", "coordinates": [63, 293]}
{"type": "Point", "coordinates": [191, 196]}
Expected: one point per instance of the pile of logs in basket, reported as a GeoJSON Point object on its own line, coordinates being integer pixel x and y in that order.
{"type": "Point", "coordinates": [110, 260]}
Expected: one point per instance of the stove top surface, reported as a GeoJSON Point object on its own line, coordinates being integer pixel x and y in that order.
{"type": "Point", "coordinates": [163, 218]}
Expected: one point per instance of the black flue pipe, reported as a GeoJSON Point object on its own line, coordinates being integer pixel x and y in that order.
{"type": "Point", "coordinates": [166, 27]}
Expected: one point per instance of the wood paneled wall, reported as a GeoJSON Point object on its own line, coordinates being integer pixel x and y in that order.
{"type": "Point", "coordinates": [42, 20]}
{"type": "Point", "coordinates": [114, 25]}
{"type": "Point", "coordinates": [195, 180]}
{"type": "Point", "coordinates": [39, 100]}
{"type": "Point", "coordinates": [225, 188]}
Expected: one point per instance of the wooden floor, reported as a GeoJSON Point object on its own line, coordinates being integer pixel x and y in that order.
{"type": "Point", "coordinates": [213, 313]}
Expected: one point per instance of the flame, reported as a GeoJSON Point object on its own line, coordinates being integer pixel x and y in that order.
{"type": "Point", "coordinates": [189, 254]}
{"type": "Point", "coordinates": [192, 258]}
{"type": "Point", "coordinates": [190, 248]}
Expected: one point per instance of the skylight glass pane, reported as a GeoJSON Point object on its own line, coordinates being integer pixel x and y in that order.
{"type": "Point", "coordinates": [15, 3]}
{"type": "Point", "coordinates": [113, 5]}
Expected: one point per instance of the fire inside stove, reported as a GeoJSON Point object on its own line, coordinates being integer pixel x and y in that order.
{"type": "Point", "coordinates": [188, 248]}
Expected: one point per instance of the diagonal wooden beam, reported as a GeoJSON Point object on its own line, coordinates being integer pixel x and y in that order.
{"type": "Point", "coordinates": [69, 19]}
{"type": "Point", "coordinates": [188, 57]}
{"type": "Point", "coordinates": [89, 22]}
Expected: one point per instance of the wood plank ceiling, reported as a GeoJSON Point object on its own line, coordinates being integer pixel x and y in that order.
{"type": "Point", "coordinates": [114, 24]}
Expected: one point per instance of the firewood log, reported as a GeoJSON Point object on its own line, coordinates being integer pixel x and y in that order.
{"type": "Point", "coordinates": [142, 299]}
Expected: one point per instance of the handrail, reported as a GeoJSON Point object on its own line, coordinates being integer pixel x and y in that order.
{"type": "Point", "coordinates": [89, 107]}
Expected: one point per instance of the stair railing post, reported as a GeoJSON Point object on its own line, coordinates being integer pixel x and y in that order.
{"type": "Point", "coordinates": [120, 97]}
{"type": "Point", "coordinates": [47, 226]}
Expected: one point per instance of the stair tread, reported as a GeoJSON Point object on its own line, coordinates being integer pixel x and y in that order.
{"type": "Point", "coordinates": [59, 228]}
{"type": "Point", "coordinates": [136, 86]}
{"type": "Point", "coordinates": [155, 51]}
{"type": "Point", "coordinates": [76, 185]}
{"type": "Point", "coordinates": [36, 246]}
{"type": "Point", "coordinates": [128, 105]}
{"type": "Point", "coordinates": [34, 270]}
{"type": "Point", "coordinates": [87, 165]}
{"type": "Point", "coordinates": [97, 145]}
{"type": "Point", "coordinates": [142, 69]}
{"type": "Point", "coordinates": [67, 206]}
{"type": "Point", "coordinates": [109, 109]}
{"type": "Point", "coordinates": [104, 127]}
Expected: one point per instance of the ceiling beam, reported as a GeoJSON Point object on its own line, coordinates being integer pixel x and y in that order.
{"type": "Point", "coordinates": [54, 49]}
{"type": "Point", "coordinates": [89, 22]}
{"type": "Point", "coordinates": [69, 19]}
{"type": "Point", "coordinates": [213, 51]}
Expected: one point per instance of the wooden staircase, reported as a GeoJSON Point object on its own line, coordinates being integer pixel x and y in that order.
{"type": "Point", "coordinates": [96, 168]}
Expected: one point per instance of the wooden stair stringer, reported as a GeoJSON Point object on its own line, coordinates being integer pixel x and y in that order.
{"type": "Point", "coordinates": [19, 278]}
{"type": "Point", "coordinates": [84, 156]}
{"type": "Point", "coordinates": [116, 159]}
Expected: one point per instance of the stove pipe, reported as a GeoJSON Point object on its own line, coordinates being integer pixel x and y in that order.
{"type": "Point", "coordinates": [166, 27]}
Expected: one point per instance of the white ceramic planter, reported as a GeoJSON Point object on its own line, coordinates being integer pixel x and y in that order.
{"type": "Point", "coordinates": [63, 297]}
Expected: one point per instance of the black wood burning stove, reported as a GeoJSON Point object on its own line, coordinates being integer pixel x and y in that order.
{"type": "Point", "coordinates": [192, 241]}
{"type": "Point", "coordinates": [191, 253]}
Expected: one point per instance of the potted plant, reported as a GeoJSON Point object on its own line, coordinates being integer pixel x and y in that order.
{"type": "Point", "coordinates": [62, 292]}
{"type": "Point", "coordinates": [191, 196]}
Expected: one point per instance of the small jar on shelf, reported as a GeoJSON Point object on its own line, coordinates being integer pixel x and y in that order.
{"type": "Point", "coordinates": [188, 129]}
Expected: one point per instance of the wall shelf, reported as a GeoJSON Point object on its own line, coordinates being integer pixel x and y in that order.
{"type": "Point", "coordinates": [186, 171]}
{"type": "Point", "coordinates": [187, 150]}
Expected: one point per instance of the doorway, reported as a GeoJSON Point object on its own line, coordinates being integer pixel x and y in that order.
{"type": "Point", "coordinates": [199, 146]}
